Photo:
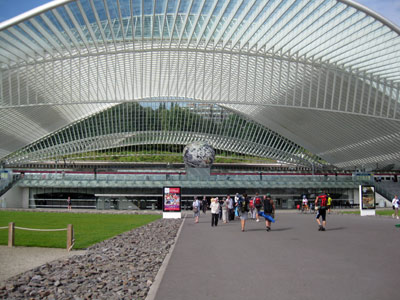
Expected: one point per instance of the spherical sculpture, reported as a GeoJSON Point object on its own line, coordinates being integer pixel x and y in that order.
{"type": "Point", "coordinates": [198, 155]}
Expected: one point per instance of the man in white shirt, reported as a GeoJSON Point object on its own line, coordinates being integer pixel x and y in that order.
{"type": "Point", "coordinates": [395, 203]}
{"type": "Point", "coordinates": [214, 206]}
{"type": "Point", "coordinates": [304, 206]}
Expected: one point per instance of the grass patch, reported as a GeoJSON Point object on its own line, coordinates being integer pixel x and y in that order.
{"type": "Point", "coordinates": [89, 229]}
{"type": "Point", "coordinates": [386, 212]}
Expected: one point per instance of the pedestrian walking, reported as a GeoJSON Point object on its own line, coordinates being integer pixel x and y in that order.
{"type": "Point", "coordinates": [329, 204]}
{"type": "Point", "coordinates": [321, 202]}
{"type": "Point", "coordinates": [221, 201]}
{"type": "Point", "coordinates": [69, 203]}
{"type": "Point", "coordinates": [224, 210]}
{"type": "Point", "coordinates": [214, 206]}
{"type": "Point", "coordinates": [196, 209]}
{"type": "Point", "coordinates": [231, 208]}
{"type": "Point", "coordinates": [204, 204]}
{"type": "Point", "coordinates": [258, 204]}
{"type": "Point", "coordinates": [269, 209]}
{"type": "Point", "coordinates": [304, 204]}
{"type": "Point", "coordinates": [252, 208]}
{"type": "Point", "coordinates": [243, 207]}
{"type": "Point", "coordinates": [395, 205]}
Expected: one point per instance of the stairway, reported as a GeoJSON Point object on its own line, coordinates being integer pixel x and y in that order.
{"type": "Point", "coordinates": [4, 188]}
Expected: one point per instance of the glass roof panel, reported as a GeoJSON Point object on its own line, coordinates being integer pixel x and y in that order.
{"type": "Point", "coordinates": [88, 11]}
{"type": "Point", "coordinates": [77, 14]}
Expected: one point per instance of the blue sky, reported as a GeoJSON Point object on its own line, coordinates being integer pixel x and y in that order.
{"type": "Point", "coordinates": [11, 8]}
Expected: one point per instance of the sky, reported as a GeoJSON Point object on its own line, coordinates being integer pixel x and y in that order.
{"type": "Point", "coordinates": [390, 9]}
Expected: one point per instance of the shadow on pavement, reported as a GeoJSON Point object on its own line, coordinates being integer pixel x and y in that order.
{"type": "Point", "coordinates": [336, 228]}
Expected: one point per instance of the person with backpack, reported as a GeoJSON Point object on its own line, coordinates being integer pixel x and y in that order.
{"type": "Point", "coordinates": [257, 204]}
{"type": "Point", "coordinates": [321, 203]}
{"type": "Point", "coordinates": [243, 207]}
{"type": "Point", "coordinates": [269, 209]}
{"type": "Point", "coordinates": [253, 210]}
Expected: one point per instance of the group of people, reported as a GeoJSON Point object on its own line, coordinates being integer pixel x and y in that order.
{"type": "Point", "coordinates": [240, 206]}
{"type": "Point", "coordinates": [243, 207]}
{"type": "Point", "coordinates": [310, 207]}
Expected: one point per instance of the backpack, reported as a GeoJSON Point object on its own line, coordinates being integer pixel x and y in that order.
{"type": "Point", "coordinates": [258, 201]}
{"type": "Point", "coordinates": [243, 205]}
{"type": "Point", "coordinates": [323, 200]}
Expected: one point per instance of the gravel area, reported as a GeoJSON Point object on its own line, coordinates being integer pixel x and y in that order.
{"type": "Point", "coordinates": [123, 267]}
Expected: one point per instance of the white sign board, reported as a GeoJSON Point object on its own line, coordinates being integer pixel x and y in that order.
{"type": "Point", "coordinates": [367, 200]}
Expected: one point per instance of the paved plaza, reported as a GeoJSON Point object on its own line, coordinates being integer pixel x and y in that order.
{"type": "Point", "coordinates": [356, 258]}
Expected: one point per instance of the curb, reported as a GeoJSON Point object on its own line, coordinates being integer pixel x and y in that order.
{"type": "Point", "coordinates": [151, 295]}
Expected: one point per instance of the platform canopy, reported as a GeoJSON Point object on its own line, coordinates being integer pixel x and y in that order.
{"type": "Point", "coordinates": [321, 77]}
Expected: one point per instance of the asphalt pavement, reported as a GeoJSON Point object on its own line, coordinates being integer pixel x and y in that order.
{"type": "Point", "coordinates": [355, 258]}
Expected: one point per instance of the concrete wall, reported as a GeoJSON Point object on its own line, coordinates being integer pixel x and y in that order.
{"type": "Point", "coordinates": [382, 201]}
{"type": "Point", "coordinates": [16, 197]}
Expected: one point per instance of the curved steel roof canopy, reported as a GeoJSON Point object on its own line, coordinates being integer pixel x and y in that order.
{"type": "Point", "coordinates": [324, 74]}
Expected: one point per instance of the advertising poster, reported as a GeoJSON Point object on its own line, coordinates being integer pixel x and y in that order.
{"type": "Point", "coordinates": [171, 199]}
{"type": "Point", "coordinates": [367, 197]}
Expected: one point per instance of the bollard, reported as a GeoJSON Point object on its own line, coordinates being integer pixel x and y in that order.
{"type": "Point", "coordinates": [11, 234]}
{"type": "Point", "coordinates": [70, 236]}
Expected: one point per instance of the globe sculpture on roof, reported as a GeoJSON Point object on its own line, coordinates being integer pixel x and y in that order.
{"type": "Point", "coordinates": [198, 155]}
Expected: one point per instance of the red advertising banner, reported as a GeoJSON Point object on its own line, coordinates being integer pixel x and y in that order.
{"type": "Point", "coordinates": [171, 199]}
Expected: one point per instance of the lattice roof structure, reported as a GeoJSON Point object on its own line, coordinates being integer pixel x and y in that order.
{"type": "Point", "coordinates": [322, 75]}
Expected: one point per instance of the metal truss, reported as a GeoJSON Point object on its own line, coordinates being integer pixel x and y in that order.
{"type": "Point", "coordinates": [119, 130]}
{"type": "Point", "coordinates": [324, 74]}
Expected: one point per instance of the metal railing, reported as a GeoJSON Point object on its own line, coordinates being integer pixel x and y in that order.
{"type": "Point", "coordinates": [183, 177]}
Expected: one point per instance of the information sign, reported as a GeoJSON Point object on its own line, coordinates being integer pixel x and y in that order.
{"type": "Point", "coordinates": [367, 200]}
{"type": "Point", "coordinates": [172, 202]}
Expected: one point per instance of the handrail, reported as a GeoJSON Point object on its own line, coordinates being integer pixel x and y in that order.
{"type": "Point", "coordinates": [44, 230]}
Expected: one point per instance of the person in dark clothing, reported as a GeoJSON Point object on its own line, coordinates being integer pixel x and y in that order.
{"type": "Point", "coordinates": [204, 204]}
{"type": "Point", "coordinates": [231, 208]}
{"type": "Point", "coordinates": [243, 206]}
{"type": "Point", "coordinates": [69, 203]}
{"type": "Point", "coordinates": [269, 209]}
